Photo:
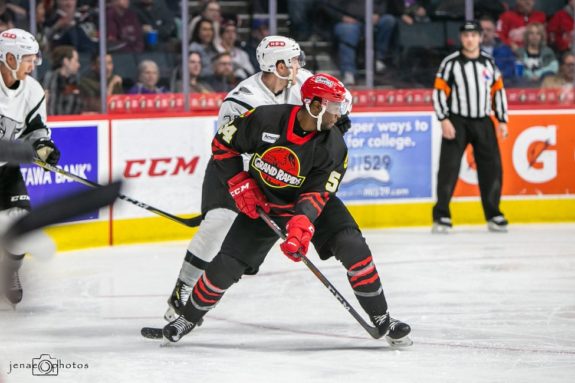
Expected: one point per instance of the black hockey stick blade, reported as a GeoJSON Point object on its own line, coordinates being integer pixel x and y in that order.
{"type": "Point", "coordinates": [16, 152]}
{"type": "Point", "coordinates": [65, 208]}
{"type": "Point", "coordinates": [190, 222]}
{"type": "Point", "coordinates": [371, 330]}
{"type": "Point", "coordinates": [152, 332]}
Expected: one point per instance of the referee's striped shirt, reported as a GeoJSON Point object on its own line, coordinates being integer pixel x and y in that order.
{"type": "Point", "coordinates": [469, 88]}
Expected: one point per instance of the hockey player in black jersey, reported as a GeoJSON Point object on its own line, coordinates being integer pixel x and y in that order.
{"type": "Point", "coordinates": [22, 117]}
{"type": "Point", "coordinates": [297, 166]}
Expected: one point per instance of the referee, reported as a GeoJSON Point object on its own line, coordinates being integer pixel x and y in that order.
{"type": "Point", "coordinates": [468, 86]}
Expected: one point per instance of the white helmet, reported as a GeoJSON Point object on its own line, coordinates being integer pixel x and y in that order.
{"type": "Point", "coordinates": [277, 48]}
{"type": "Point", "coordinates": [19, 43]}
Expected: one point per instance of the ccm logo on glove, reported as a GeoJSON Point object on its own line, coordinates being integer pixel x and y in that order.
{"type": "Point", "coordinates": [247, 195]}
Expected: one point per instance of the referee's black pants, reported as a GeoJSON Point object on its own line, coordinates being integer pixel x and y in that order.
{"type": "Point", "coordinates": [480, 133]}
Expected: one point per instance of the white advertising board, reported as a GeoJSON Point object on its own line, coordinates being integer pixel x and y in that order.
{"type": "Point", "coordinates": [162, 162]}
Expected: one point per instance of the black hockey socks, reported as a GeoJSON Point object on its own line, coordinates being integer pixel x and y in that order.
{"type": "Point", "coordinates": [366, 285]}
{"type": "Point", "coordinates": [350, 248]}
{"type": "Point", "coordinates": [221, 273]}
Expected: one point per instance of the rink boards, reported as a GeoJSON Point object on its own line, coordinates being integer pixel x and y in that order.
{"type": "Point", "coordinates": [390, 181]}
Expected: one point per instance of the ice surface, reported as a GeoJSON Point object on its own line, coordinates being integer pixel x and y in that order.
{"type": "Point", "coordinates": [484, 307]}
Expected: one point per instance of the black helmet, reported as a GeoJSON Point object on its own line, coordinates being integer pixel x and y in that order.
{"type": "Point", "coordinates": [471, 26]}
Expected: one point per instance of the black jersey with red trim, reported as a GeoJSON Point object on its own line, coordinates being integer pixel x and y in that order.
{"type": "Point", "coordinates": [298, 171]}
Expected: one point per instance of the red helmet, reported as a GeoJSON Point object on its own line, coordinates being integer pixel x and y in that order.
{"type": "Point", "coordinates": [327, 88]}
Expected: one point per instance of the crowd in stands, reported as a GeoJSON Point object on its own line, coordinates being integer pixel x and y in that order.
{"type": "Point", "coordinates": [530, 46]}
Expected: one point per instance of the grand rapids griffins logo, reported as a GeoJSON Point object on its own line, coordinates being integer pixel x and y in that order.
{"type": "Point", "coordinates": [278, 167]}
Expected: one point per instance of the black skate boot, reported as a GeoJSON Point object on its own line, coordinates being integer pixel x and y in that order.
{"type": "Point", "coordinates": [175, 330]}
{"type": "Point", "coordinates": [381, 322]}
{"type": "Point", "coordinates": [177, 300]}
{"type": "Point", "coordinates": [398, 334]}
{"type": "Point", "coordinates": [13, 287]}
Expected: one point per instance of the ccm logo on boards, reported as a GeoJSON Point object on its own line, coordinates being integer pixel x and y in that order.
{"type": "Point", "coordinates": [158, 167]}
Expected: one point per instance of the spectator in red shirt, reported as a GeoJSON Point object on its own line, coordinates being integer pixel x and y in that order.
{"type": "Point", "coordinates": [560, 28]}
{"type": "Point", "coordinates": [511, 24]}
{"type": "Point", "coordinates": [124, 29]}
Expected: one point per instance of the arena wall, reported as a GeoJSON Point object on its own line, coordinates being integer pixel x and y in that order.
{"type": "Point", "coordinates": [390, 181]}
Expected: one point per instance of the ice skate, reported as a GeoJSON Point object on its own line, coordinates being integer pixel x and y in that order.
{"type": "Point", "coordinates": [497, 224]}
{"type": "Point", "coordinates": [398, 334]}
{"type": "Point", "coordinates": [175, 330]}
{"type": "Point", "coordinates": [442, 225]}
{"type": "Point", "coordinates": [177, 300]}
{"type": "Point", "coordinates": [13, 288]}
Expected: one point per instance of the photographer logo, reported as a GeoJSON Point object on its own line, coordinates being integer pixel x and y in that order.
{"type": "Point", "coordinates": [45, 365]}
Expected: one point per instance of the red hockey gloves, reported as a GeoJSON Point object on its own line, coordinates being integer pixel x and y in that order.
{"type": "Point", "coordinates": [299, 233]}
{"type": "Point", "coordinates": [247, 195]}
{"type": "Point", "coordinates": [47, 151]}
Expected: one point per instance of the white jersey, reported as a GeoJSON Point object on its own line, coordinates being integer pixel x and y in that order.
{"type": "Point", "coordinates": [23, 111]}
{"type": "Point", "coordinates": [252, 93]}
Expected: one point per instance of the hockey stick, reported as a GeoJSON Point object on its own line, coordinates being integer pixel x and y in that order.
{"type": "Point", "coordinates": [15, 152]}
{"type": "Point", "coordinates": [371, 330]}
{"type": "Point", "coordinates": [190, 222]}
{"type": "Point", "coordinates": [62, 209]}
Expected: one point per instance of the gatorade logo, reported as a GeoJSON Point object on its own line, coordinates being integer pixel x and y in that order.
{"type": "Point", "coordinates": [273, 44]}
{"type": "Point", "coordinates": [533, 157]}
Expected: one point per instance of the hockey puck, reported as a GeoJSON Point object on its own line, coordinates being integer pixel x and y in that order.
{"type": "Point", "coordinates": [152, 332]}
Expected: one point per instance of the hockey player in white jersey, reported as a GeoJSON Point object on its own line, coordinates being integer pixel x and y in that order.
{"type": "Point", "coordinates": [22, 117]}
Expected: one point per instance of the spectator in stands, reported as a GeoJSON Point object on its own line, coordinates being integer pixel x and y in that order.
{"type": "Point", "coordinates": [511, 24]}
{"type": "Point", "coordinates": [223, 79]}
{"type": "Point", "coordinates": [41, 33]}
{"type": "Point", "coordinates": [124, 28]}
{"type": "Point", "coordinates": [490, 8]}
{"type": "Point", "coordinates": [7, 16]}
{"type": "Point", "coordinates": [566, 77]}
{"type": "Point", "coordinates": [301, 15]}
{"type": "Point", "coordinates": [560, 28]}
{"type": "Point", "coordinates": [503, 55]}
{"type": "Point", "coordinates": [413, 11]}
{"type": "Point", "coordinates": [538, 59]}
{"type": "Point", "coordinates": [229, 37]}
{"type": "Point", "coordinates": [65, 25]}
{"type": "Point", "coordinates": [203, 42]}
{"type": "Point", "coordinates": [259, 30]}
{"type": "Point", "coordinates": [349, 17]}
{"type": "Point", "coordinates": [19, 11]}
{"type": "Point", "coordinates": [211, 10]}
{"type": "Point", "coordinates": [90, 83]}
{"type": "Point", "coordinates": [61, 83]}
{"type": "Point", "coordinates": [148, 77]}
{"type": "Point", "coordinates": [158, 24]}
{"type": "Point", "coordinates": [194, 68]}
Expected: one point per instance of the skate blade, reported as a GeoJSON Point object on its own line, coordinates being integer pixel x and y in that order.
{"type": "Point", "coordinates": [401, 342]}
{"type": "Point", "coordinates": [165, 342]}
{"type": "Point", "coordinates": [496, 229]}
{"type": "Point", "coordinates": [440, 229]}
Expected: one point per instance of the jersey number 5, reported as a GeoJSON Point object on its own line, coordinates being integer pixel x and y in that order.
{"type": "Point", "coordinates": [227, 132]}
{"type": "Point", "coordinates": [333, 182]}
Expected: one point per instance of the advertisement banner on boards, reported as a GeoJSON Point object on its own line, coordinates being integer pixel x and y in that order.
{"type": "Point", "coordinates": [537, 157]}
{"type": "Point", "coordinates": [79, 148]}
{"type": "Point", "coordinates": [162, 162]}
{"type": "Point", "coordinates": [389, 158]}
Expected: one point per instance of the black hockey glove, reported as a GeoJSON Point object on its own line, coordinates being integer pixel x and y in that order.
{"type": "Point", "coordinates": [47, 151]}
{"type": "Point", "coordinates": [343, 124]}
